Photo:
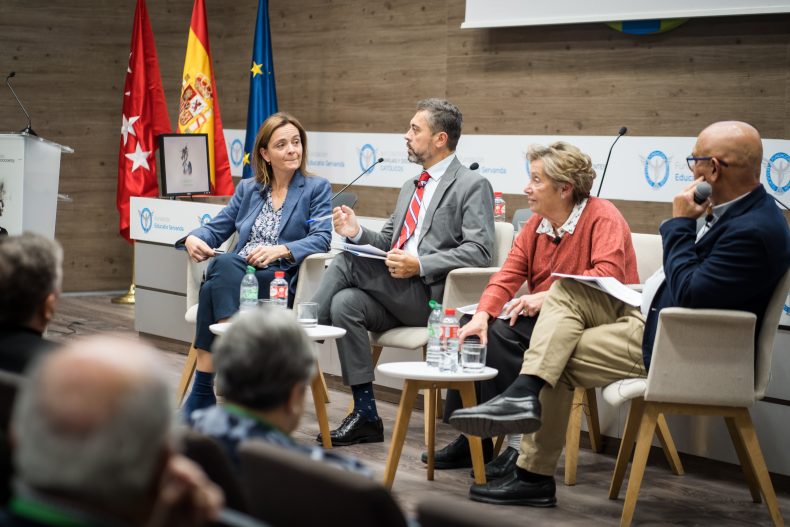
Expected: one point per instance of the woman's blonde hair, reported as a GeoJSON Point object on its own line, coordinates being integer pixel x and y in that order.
{"type": "Point", "coordinates": [262, 169]}
{"type": "Point", "coordinates": [564, 163]}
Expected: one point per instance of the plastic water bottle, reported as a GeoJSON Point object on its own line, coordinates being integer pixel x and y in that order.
{"type": "Point", "coordinates": [499, 207]}
{"type": "Point", "coordinates": [248, 294]}
{"type": "Point", "coordinates": [278, 290]}
{"type": "Point", "coordinates": [433, 353]}
{"type": "Point", "coordinates": [449, 362]}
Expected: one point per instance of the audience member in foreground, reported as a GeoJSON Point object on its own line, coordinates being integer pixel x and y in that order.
{"type": "Point", "coordinates": [264, 364]}
{"type": "Point", "coordinates": [30, 277]}
{"type": "Point", "coordinates": [584, 337]}
{"type": "Point", "coordinates": [443, 220]}
{"type": "Point", "coordinates": [91, 434]}
{"type": "Point", "coordinates": [570, 233]}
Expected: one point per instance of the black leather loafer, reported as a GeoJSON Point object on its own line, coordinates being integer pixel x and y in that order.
{"type": "Point", "coordinates": [457, 454]}
{"type": "Point", "coordinates": [504, 464]}
{"type": "Point", "coordinates": [356, 429]}
{"type": "Point", "coordinates": [499, 416]}
{"type": "Point", "coordinates": [512, 491]}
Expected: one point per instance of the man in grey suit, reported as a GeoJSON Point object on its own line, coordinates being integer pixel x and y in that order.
{"type": "Point", "coordinates": [443, 220]}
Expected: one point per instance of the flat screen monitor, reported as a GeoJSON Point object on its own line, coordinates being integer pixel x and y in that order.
{"type": "Point", "coordinates": [183, 164]}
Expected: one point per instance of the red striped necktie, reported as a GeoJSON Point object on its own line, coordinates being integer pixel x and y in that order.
{"type": "Point", "coordinates": [410, 223]}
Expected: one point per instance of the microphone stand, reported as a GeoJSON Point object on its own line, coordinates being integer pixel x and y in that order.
{"type": "Point", "coordinates": [29, 128]}
{"type": "Point", "coordinates": [623, 130]}
{"type": "Point", "coordinates": [379, 160]}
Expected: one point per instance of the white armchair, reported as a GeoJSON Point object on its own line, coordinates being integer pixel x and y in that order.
{"type": "Point", "coordinates": [705, 362]}
{"type": "Point", "coordinates": [310, 272]}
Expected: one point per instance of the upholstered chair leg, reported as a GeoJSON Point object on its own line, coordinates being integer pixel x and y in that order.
{"type": "Point", "coordinates": [186, 375]}
{"type": "Point", "coordinates": [626, 446]}
{"type": "Point", "coordinates": [572, 436]}
{"type": "Point", "coordinates": [647, 428]}
{"type": "Point", "coordinates": [743, 457]}
{"type": "Point", "coordinates": [668, 445]}
{"type": "Point", "coordinates": [745, 429]}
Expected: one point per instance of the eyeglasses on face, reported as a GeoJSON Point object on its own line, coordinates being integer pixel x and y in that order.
{"type": "Point", "coordinates": [692, 161]}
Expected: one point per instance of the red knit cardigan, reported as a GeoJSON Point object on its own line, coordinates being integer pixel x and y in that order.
{"type": "Point", "coordinates": [599, 246]}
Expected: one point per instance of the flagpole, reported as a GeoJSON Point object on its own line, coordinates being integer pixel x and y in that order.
{"type": "Point", "coordinates": [128, 297]}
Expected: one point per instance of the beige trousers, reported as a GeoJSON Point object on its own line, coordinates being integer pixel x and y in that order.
{"type": "Point", "coordinates": [583, 337]}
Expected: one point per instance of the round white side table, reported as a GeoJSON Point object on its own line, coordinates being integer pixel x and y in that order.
{"type": "Point", "coordinates": [419, 376]}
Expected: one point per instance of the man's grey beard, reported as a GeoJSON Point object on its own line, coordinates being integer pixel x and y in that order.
{"type": "Point", "coordinates": [413, 157]}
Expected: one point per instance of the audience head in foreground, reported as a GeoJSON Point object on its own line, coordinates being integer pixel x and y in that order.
{"type": "Point", "coordinates": [264, 364]}
{"type": "Point", "coordinates": [584, 337]}
{"type": "Point", "coordinates": [91, 435]}
{"type": "Point", "coordinates": [30, 280]}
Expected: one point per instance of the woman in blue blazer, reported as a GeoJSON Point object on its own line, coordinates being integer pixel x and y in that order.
{"type": "Point", "coordinates": [270, 214]}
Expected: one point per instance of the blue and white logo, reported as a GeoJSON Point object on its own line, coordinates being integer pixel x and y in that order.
{"type": "Point", "coordinates": [236, 152]}
{"type": "Point", "coordinates": [204, 219]}
{"type": "Point", "coordinates": [786, 307]}
{"type": "Point", "coordinates": [146, 219]}
{"type": "Point", "coordinates": [367, 156]}
{"type": "Point", "coordinates": [776, 171]}
{"type": "Point", "coordinates": [656, 169]}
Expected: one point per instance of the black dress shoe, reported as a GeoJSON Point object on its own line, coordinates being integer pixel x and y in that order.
{"type": "Point", "coordinates": [512, 491]}
{"type": "Point", "coordinates": [504, 464]}
{"type": "Point", "coordinates": [499, 416]}
{"type": "Point", "coordinates": [356, 429]}
{"type": "Point", "coordinates": [458, 455]}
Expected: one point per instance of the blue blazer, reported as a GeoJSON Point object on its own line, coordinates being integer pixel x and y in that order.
{"type": "Point", "coordinates": [735, 265]}
{"type": "Point", "coordinates": [308, 197]}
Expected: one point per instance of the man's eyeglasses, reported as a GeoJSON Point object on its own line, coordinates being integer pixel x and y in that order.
{"type": "Point", "coordinates": [692, 161]}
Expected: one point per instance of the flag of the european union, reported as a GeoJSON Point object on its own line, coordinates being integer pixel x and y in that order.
{"type": "Point", "coordinates": [263, 96]}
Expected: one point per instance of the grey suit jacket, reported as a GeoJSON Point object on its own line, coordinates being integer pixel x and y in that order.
{"type": "Point", "coordinates": [458, 229]}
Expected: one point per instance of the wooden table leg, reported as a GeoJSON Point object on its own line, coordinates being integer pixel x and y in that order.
{"type": "Point", "coordinates": [399, 432]}
{"type": "Point", "coordinates": [469, 399]}
{"type": "Point", "coordinates": [320, 408]}
{"type": "Point", "coordinates": [431, 428]}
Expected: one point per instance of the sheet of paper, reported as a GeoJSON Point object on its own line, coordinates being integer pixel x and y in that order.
{"type": "Point", "coordinates": [471, 309]}
{"type": "Point", "coordinates": [365, 251]}
{"type": "Point", "coordinates": [609, 285]}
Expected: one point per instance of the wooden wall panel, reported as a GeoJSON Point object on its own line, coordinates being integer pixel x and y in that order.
{"type": "Point", "coordinates": [357, 65]}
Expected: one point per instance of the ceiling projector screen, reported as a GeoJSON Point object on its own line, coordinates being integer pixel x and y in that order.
{"type": "Point", "coordinates": [509, 13]}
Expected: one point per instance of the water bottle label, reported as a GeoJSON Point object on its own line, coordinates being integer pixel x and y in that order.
{"type": "Point", "coordinates": [499, 209]}
{"type": "Point", "coordinates": [278, 292]}
{"type": "Point", "coordinates": [449, 332]}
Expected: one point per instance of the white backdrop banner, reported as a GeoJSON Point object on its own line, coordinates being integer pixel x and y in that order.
{"type": "Point", "coordinates": [641, 168]}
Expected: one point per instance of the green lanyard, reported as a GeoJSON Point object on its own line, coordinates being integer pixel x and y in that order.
{"type": "Point", "coordinates": [44, 513]}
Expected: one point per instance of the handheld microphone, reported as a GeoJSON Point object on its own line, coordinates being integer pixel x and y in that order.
{"type": "Point", "coordinates": [379, 160]}
{"type": "Point", "coordinates": [702, 192]}
{"type": "Point", "coordinates": [29, 129]}
{"type": "Point", "coordinates": [474, 166]}
{"type": "Point", "coordinates": [620, 133]}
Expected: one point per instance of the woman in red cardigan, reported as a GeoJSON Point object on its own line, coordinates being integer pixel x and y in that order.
{"type": "Point", "coordinates": [569, 232]}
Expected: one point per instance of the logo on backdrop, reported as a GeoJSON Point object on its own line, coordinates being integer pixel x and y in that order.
{"type": "Point", "coordinates": [204, 219]}
{"type": "Point", "coordinates": [367, 156]}
{"type": "Point", "coordinates": [777, 170]}
{"type": "Point", "coordinates": [656, 169]}
{"type": "Point", "coordinates": [146, 219]}
{"type": "Point", "coordinates": [236, 152]}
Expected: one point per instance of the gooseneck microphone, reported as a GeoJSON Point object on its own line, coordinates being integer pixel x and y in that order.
{"type": "Point", "coordinates": [702, 192]}
{"type": "Point", "coordinates": [29, 128]}
{"type": "Point", "coordinates": [623, 130]}
{"type": "Point", "coordinates": [379, 160]}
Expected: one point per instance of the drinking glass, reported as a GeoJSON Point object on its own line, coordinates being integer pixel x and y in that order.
{"type": "Point", "coordinates": [307, 314]}
{"type": "Point", "coordinates": [473, 357]}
